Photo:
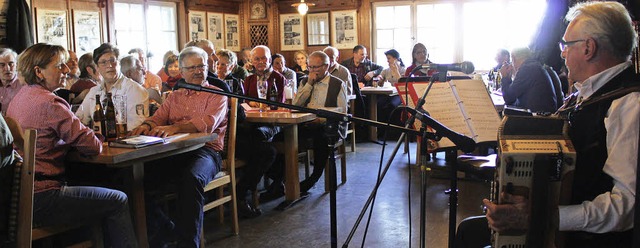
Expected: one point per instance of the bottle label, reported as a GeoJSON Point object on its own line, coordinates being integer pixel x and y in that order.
{"type": "Point", "coordinates": [97, 127]}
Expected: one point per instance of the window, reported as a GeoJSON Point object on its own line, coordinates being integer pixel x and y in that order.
{"type": "Point", "coordinates": [455, 31]}
{"type": "Point", "coordinates": [157, 35]}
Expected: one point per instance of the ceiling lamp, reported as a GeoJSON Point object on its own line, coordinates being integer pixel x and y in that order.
{"type": "Point", "coordinates": [302, 6]}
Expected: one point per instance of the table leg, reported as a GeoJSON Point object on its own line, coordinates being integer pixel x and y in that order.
{"type": "Point", "coordinates": [138, 204]}
{"type": "Point", "coordinates": [373, 115]}
{"type": "Point", "coordinates": [292, 180]}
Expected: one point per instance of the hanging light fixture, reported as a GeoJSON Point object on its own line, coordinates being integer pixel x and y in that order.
{"type": "Point", "coordinates": [302, 7]}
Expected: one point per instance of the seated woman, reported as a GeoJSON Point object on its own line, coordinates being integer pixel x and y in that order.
{"type": "Point", "coordinates": [172, 69]}
{"type": "Point", "coordinates": [280, 65]}
{"type": "Point", "coordinates": [420, 56]}
{"type": "Point", "coordinates": [43, 68]}
{"type": "Point", "coordinates": [386, 104]}
{"type": "Point", "coordinates": [89, 77]}
{"type": "Point", "coordinates": [302, 60]}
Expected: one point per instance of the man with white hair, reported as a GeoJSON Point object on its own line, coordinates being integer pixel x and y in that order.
{"type": "Point", "coordinates": [9, 83]}
{"type": "Point", "coordinates": [132, 68]}
{"type": "Point", "coordinates": [186, 111]}
{"type": "Point", "coordinates": [338, 70]}
{"type": "Point", "coordinates": [604, 124]}
{"type": "Point", "coordinates": [151, 80]}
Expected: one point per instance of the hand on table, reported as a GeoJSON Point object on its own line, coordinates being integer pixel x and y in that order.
{"type": "Point", "coordinates": [369, 75]}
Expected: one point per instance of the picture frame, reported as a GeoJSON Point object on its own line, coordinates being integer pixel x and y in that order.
{"type": "Point", "coordinates": [87, 32]}
{"type": "Point", "coordinates": [292, 32]}
{"type": "Point", "coordinates": [215, 29]}
{"type": "Point", "coordinates": [197, 25]}
{"type": "Point", "coordinates": [344, 29]}
{"type": "Point", "coordinates": [232, 32]}
{"type": "Point", "coordinates": [318, 29]}
{"type": "Point", "coordinates": [51, 27]}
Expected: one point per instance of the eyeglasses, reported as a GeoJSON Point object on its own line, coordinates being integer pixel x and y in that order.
{"type": "Point", "coordinates": [564, 44]}
{"type": "Point", "coordinates": [315, 67]}
{"type": "Point", "coordinates": [195, 67]}
{"type": "Point", "coordinates": [111, 61]}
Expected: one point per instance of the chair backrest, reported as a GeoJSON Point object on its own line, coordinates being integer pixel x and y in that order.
{"type": "Point", "coordinates": [557, 86]}
{"type": "Point", "coordinates": [358, 94]}
{"type": "Point", "coordinates": [21, 212]}
{"type": "Point", "coordinates": [230, 143]}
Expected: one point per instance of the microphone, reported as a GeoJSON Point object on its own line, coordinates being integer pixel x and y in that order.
{"type": "Point", "coordinates": [466, 67]}
{"type": "Point", "coordinates": [182, 84]}
{"type": "Point", "coordinates": [463, 142]}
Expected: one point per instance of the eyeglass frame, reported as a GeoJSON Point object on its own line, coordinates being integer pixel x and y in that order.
{"type": "Point", "coordinates": [111, 62]}
{"type": "Point", "coordinates": [310, 67]}
{"type": "Point", "coordinates": [195, 67]}
{"type": "Point", "coordinates": [564, 44]}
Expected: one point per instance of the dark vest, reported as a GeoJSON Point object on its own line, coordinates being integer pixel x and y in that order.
{"type": "Point", "coordinates": [335, 85]}
{"type": "Point", "coordinates": [588, 134]}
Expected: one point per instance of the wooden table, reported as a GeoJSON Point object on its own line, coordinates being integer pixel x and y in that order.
{"type": "Point", "coordinates": [372, 93]}
{"type": "Point", "coordinates": [135, 158]}
{"type": "Point", "coordinates": [289, 121]}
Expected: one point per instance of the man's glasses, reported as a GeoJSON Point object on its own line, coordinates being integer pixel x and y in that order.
{"type": "Point", "coordinates": [311, 67]}
{"type": "Point", "coordinates": [111, 61]}
{"type": "Point", "coordinates": [564, 44]}
{"type": "Point", "coordinates": [195, 67]}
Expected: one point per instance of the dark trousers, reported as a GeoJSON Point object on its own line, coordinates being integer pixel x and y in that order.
{"type": "Point", "coordinates": [316, 133]}
{"type": "Point", "coordinates": [190, 172]}
{"type": "Point", "coordinates": [254, 145]}
{"type": "Point", "coordinates": [473, 232]}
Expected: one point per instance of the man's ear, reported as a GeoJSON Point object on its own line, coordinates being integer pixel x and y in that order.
{"type": "Point", "coordinates": [591, 48]}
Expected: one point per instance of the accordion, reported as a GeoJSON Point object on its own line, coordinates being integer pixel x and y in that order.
{"type": "Point", "coordinates": [536, 160]}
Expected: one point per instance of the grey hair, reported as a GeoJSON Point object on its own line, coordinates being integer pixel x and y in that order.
{"type": "Point", "coordinates": [335, 51]}
{"type": "Point", "coordinates": [200, 43]}
{"type": "Point", "coordinates": [8, 51]}
{"type": "Point", "coordinates": [323, 56]}
{"type": "Point", "coordinates": [267, 51]}
{"type": "Point", "coordinates": [128, 63]}
{"type": "Point", "coordinates": [230, 55]}
{"type": "Point", "coordinates": [607, 22]}
{"type": "Point", "coordinates": [137, 50]}
{"type": "Point", "coordinates": [521, 53]}
{"type": "Point", "coordinates": [168, 55]}
{"type": "Point", "coordinates": [191, 51]}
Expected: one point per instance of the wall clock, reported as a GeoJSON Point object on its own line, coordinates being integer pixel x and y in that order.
{"type": "Point", "coordinates": [258, 9]}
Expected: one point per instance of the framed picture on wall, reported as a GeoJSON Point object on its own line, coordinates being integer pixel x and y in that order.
{"type": "Point", "coordinates": [232, 35]}
{"type": "Point", "coordinates": [197, 25]}
{"type": "Point", "coordinates": [344, 29]}
{"type": "Point", "coordinates": [291, 32]}
{"type": "Point", "coordinates": [215, 30]}
{"type": "Point", "coordinates": [86, 30]}
{"type": "Point", "coordinates": [51, 27]}
{"type": "Point", "coordinates": [318, 29]}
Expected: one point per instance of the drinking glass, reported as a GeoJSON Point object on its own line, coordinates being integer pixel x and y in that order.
{"type": "Point", "coordinates": [262, 94]}
{"type": "Point", "coordinates": [120, 107]}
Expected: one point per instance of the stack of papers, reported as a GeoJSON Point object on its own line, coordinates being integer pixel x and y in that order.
{"type": "Point", "coordinates": [137, 141]}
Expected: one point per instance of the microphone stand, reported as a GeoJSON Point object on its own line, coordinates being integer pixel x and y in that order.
{"type": "Point", "coordinates": [442, 76]}
{"type": "Point", "coordinates": [334, 119]}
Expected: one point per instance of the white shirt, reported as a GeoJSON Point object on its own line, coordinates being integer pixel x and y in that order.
{"type": "Point", "coordinates": [317, 95]}
{"type": "Point", "coordinates": [387, 75]}
{"type": "Point", "coordinates": [613, 210]}
{"type": "Point", "coordinates": [137, 101]}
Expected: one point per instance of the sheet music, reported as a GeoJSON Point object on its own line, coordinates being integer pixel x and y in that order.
{"type": "Point", "coordinates": [478, 107]}
{"type": "Point", "coordinates": [442, 105]}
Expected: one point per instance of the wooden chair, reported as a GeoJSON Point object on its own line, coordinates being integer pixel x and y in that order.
{"type": "Point", "coordinates": [227, 177]}
{"type": "Point", "coordinates": [22, 198]}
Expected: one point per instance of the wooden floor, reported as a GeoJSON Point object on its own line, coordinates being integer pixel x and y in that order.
{"type": "Point", "coordinates": [307, 224]}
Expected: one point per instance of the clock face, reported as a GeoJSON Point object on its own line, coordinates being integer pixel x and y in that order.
{"type": "Point", "coordinates": [258, 10]}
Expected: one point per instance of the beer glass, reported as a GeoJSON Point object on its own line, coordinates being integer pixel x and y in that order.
{"type": "Point", "coordinates": [262, 94]}
{"type": "Point", "coordinates": [120, 107]}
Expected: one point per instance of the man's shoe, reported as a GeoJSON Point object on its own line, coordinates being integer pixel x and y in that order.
{"type": "Point", "coordinates": [246, 211]}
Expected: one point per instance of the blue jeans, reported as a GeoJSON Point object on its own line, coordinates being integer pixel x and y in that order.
{"type": "Point", "coordinates": [190, 171]}
{"type": "Point", "coordinates": [72, 204]}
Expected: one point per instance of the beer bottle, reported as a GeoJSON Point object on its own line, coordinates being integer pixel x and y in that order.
{"type": "Point", "coordinates": [273, 95]}
{"type": "Point", "coordinates": [98, 118]}
{"type": "Point", "coordinates": [110, 116]}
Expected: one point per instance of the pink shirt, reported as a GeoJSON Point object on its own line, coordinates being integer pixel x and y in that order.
{"type": "Point", "coordinates": [206, 111]}
{"type": "Point", "coordinates": [8, 91]}
{"type": "Point", "coordinates": [35, 107]}
{"type": "Point", "coordinates": [152, 81]}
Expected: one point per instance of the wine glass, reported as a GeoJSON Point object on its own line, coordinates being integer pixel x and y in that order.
{"type": "Point", "coordinates": [262, 93]}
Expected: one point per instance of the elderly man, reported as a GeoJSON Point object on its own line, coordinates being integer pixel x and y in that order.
{"type": "Point", "coordinates": [337, 70]}
{"type": "Point", "coordinates": [132, 68]}
{"type": "Point", "coordinates": [151, 80]}
{"type": "Point", "coordinates": [74, 71]}
{"type": "Point", "coordinates": [264, 73]}
{"type": "Point", "coordinates": [320, 90]}
{"type": "Point", "coordinates": [361, 66]}
{"type": "Point", "coordinates": [532, 87]}
{"type": "Point", "coordinates": [604, 123]}
{"type": "Point", "coordinates": [212, 63]}
{"type": "Point", "coordinates": [9, 83]}
{"type": "Point", "coordinates": [114, 82]}
{"type": "Point", "coordinates": [187, 111]}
